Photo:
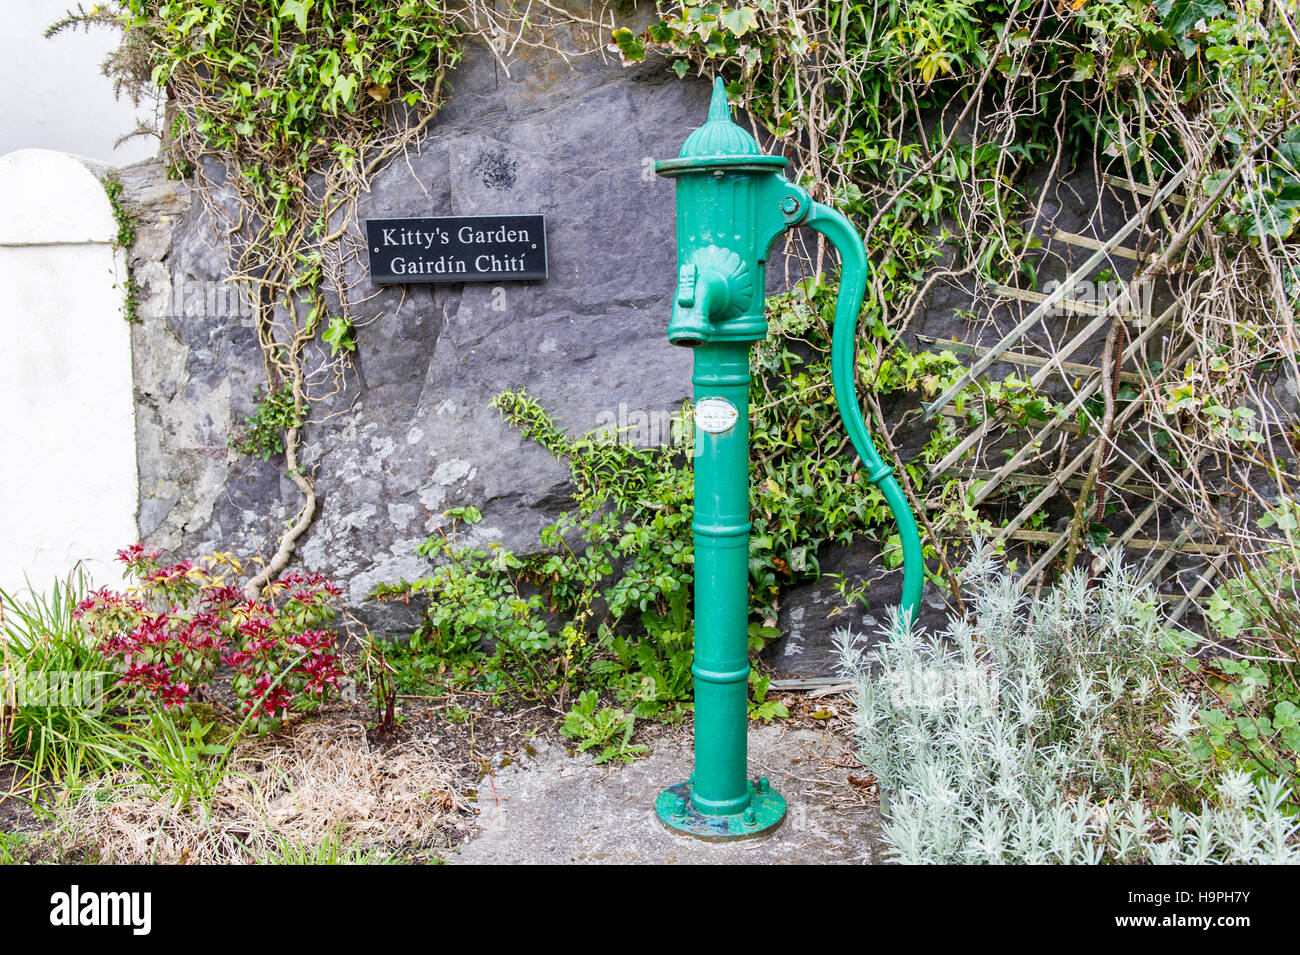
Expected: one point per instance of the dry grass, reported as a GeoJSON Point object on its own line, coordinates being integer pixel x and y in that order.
{"type": "Point", "coordinates": [317, 785]}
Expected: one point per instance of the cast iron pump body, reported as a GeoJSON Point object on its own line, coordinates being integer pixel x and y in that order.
{"type": "Point", "coordinates": [733, 203]}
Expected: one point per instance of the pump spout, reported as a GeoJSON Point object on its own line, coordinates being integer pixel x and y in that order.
{"type": "Point", "coordinates": [702, 297]}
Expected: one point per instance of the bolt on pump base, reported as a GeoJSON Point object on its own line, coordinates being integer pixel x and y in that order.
{"type": "Point", "coordinates": [733, 203]}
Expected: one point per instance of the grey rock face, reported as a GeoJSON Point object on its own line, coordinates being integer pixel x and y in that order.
{"type": "Point", "coordinates": [197, 364]}
{"type": "Point", "coordinates": [811, 613]}
{"type": "Point", "coordinates": [421, 436]}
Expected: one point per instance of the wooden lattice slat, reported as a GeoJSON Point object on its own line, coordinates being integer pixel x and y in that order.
{"type": "Point", "coordinates": [1088, 381]}
{"type": "Point", "coordinates": [1053, 364]}
{"type": "Point", "coordinates": [1023, 479]}
{"type": "Point", "coordinates": [1136, 543]}
{"type": "Point", "coordinates": [1020, 358]}
{"type": "Point", "coordinates": [1088, 242]}
{"type": "Point", "coordinates": [1152, 570]}
{"type": "Point", "coordinates": [1058, 295]}
{"type": "Point", "coordinates": [1081, 395]}
{"type": "Point", "coordinates": [1202, 581]}
{"type": "Point", "coordinates": [1140, 188]}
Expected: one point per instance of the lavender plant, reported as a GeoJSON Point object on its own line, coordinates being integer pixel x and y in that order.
{"type": "Point", "coordinates": [1034, 730]}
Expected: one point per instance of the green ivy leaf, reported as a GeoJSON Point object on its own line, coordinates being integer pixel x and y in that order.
{"type": "Point", "coordinates": [339, 336]}
{"type": "Point", "coordinates": [629, 44]}
{"type": "Point", "coordinates": [740, 21]}
{"type": "Point", "coordinates": [1098, 534]}
{"type": "Point", "coordinates": [344, 89]}
{"type": "Point", "coordinates": [1286, 715]}
{"type": "Point", "coordinates": [296, 10]}
{"type": "Point", "coordinates": [1084, 64]}
{"type": "Point", "coordinates": [1271, 214]}
{"type": "Point", "coordinates": [1247, 728]}
{"type": "Point", "coordinates": [1180, 17]}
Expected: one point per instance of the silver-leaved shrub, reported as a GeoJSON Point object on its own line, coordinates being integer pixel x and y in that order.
{"type": "Point", "coordinates": [1030, 730]}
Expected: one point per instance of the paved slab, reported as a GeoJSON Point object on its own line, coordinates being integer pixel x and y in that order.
{"type": "Point", "coordinates": [562, 808]}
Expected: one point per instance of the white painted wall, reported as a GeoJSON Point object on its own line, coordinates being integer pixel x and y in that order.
{"type": "Point", "coordinates": [68, 485]}
{"type": "Point", "coordinates": [55, 95]}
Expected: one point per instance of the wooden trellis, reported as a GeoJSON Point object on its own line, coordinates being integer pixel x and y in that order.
{"type": "Point", "coordinates": [1010, 474]}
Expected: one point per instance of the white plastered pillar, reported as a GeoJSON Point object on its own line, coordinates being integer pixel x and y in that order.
{"type": "Point", "coordinates": [68, 478]}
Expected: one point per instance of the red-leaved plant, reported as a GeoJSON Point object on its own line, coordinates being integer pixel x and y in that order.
{"type": "Point", "coordinates": [166, 635]}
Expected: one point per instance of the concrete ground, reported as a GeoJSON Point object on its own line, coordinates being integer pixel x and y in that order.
{"type": "Point", "coordinates": [562, 808]}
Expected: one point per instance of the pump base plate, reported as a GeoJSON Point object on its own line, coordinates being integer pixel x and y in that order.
{"type": "Point", "coordinates": [674, 809]}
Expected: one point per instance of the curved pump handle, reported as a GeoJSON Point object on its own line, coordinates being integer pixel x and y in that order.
{"type": "Point", "coordinates": [853, 284]}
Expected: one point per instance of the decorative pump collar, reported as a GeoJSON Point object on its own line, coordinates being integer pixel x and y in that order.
{"type": "Point", "coordinates": [719, 142]}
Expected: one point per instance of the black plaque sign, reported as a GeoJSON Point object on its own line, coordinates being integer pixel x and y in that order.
{"type": "Point", "coordinates": [457, 249]}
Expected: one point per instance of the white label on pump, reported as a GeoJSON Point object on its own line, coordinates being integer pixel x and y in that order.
{"type": "Point", "coordinates": [715, 415]}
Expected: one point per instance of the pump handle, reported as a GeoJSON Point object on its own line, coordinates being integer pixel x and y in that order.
{"type": "Point", "coordinates": [853, 284]}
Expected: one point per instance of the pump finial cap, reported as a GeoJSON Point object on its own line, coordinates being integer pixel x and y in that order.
{"type": "Point", "coordinates": [719, 108]}
{"type": "Point", "coordinates": [719, 136]}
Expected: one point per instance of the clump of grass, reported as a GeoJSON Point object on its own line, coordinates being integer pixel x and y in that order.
{"type": "Point", "coordinates": [13, 848]}
{"type": "Point", "coordinates": [55, 693]}
{"type": "Point", "coordinates": [332, 850]}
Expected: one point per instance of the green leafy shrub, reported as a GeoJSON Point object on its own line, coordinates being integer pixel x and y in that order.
{"type": "Point", "coordinates": [166, 635]}
{"type": "Point", "coordinates": [605, 727]}
{"type": "Point", "coordinates": [760, 707]}
{"type": "Point", "coordinates": [538, 615]}
{"type": "Point", "coordinates": [605, 603]}
{"type": "Point", "coordinates": [473, 596]}
{"type": "Point", "coordinates": [273, 414]}
{"type": "Point", "coordinates": [1251, 720]}
{"type": "Point", "coordinates": [651, 674]}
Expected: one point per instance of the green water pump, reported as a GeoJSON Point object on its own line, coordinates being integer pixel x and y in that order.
{"type": "Point", "coordinates": [733, 203]}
